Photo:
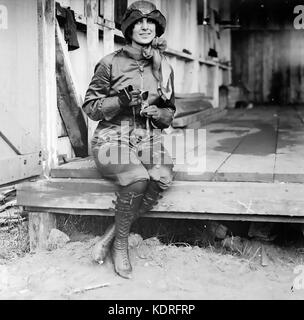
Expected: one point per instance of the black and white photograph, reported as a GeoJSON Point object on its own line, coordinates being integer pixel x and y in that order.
{"type": "Point", "coordinates": [151, 150]}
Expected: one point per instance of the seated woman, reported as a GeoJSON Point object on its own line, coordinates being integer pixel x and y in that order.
{"type": "Point", "coordinates": [132, 95]}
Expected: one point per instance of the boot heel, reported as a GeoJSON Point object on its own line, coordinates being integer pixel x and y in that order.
{"type": "Point", "coordinates": [102, 247]}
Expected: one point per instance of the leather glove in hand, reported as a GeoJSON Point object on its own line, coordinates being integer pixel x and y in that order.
{"type": "Point", "coordinates": [136, 98]}
{"type": "Point", "coordinates": [152, 112]}
{"type": "Point", "coordinates": [129, 97]}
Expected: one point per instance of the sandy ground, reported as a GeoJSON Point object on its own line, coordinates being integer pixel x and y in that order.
{"type": "Point", "coordinates": [160, 272]}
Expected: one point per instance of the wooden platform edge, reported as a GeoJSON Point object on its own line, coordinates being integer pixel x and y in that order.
{"type": "Point", "coordinates": [273, 199]}
{"type": "Point", "coordinates": [170, 215]}
{"type": "Point", "coordinates": [92, 173]}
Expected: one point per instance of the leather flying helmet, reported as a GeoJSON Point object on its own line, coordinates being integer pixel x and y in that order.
{"type": "Point", "coordinates": [142, 9]}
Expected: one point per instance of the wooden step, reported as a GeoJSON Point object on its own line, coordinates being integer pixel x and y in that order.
{"type": "Point", "coordinates": [194, 96]}
{"type": "Point", "coordinates": [205, 116]}
{"type": "Point", "coordinates": [186, 106]}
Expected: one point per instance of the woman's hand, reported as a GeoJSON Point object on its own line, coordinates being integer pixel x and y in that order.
{"type": "Point", "coordinates": [151, 112]}
{"type": "Point", "coordinates": [135, 98]}
{"type": "Point", "coordinates": [128, 97]}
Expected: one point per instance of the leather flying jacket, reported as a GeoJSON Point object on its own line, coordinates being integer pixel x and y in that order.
{"type": "Point", "coordinates": [115, 72]}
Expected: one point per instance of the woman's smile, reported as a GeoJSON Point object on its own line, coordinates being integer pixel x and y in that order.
{"type": "Point", "coordinates": [144, 31]}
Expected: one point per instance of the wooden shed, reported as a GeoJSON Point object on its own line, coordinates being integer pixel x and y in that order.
{"type": "Point", "coordinates": [254, 157]}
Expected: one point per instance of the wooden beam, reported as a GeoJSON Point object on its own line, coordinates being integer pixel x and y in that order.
{"type": "Point", "coordinates": [40, 225]}
{"type": "Point", "coordinates": [179, 54]}
{"type": "Point", "coordinates": [216, 85]}
{"type": "Point", "coordinates": [47, 80]}
{"type": "Point", "coordinates": [61, 130]}
{"type": "Point", "coordinates": [248, 198]}
{"type": "Point", "coordinates": [108, 32]}
{"type": "Point", "coordinates": [94, 55]}
{"type": "Point", "coordinates": [68, 100]}
{"type": "Point", "coordinates": [68, 65]}
{"type": "Point", "coordinates": [191, 69]}
{"type": "Point", "coordinates": [91, 7]}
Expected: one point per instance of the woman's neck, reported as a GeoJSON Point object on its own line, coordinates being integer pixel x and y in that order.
{"type": "Point", "coordinates": [139, 46]}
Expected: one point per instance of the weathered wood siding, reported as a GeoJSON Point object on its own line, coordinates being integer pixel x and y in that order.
{"type": "Point", "coordinates": [268, 52]}
{"type": "Point", "coordinates": [271, 64]}
{"type": "Point", "coordinates": [19, 93]}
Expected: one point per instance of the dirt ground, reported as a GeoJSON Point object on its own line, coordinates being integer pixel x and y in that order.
{"type": "Point", "coordinates": [174, 271]}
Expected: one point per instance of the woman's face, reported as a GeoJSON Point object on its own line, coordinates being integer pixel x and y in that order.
{"type": "Point", "coordinates": [144, 31]}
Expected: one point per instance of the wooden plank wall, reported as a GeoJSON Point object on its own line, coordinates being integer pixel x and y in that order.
{"type": "Point", "coordinates": [270, 63]}
{"type": "Point", "coordinates": [20, 106]}
{"type": "Point", "coordinates": [19, 81]}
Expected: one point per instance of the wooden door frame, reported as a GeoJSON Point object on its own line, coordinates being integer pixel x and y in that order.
{"type": "Point", "coordinates": [47, 83]}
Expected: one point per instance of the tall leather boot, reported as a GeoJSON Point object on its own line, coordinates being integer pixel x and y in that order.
{"type": "Point", "coordinates": [126, 208]}
{"type": "Point", "coordinates": [102, 247]}
{"type": "Point", "coordinates": [149, 200]}
{"type": "Point", "coordinates": [151, 197]}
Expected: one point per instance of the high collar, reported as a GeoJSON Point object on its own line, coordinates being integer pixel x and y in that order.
{"type": "Point", "coordinates": [160, 67]}
{"type": "Point", "coordinates": [134, 53]}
